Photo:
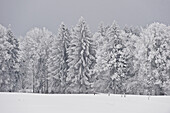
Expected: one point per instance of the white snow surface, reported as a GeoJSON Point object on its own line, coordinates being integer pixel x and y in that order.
{"type": "Point", "coordinates": [82, 103]}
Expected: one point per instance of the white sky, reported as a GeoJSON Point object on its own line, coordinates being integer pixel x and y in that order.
{"type": "Point", "coordinates": [26, 14]}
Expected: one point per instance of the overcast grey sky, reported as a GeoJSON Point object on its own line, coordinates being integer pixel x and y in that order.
{"type": "Point", "coordinates": [26, 14]}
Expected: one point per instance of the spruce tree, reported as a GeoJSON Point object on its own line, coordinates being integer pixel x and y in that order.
{"type": "Point", "coordinates": [13, 61]}
{"type": "Point", "coordinates": [112, 61]}
{"type": "Point", "coordinates": [81, 58]}
{"type": "Point", "coordinates": [4, 76]}
{"type": "Point", "coordinates": [57, 68]}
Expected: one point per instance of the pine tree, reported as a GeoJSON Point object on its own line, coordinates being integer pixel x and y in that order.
{"type": "Point", "coordinates": [13, 61]}
{"type": "Point", "coordinates": [100, 68]}
{"type": "Point", "coordinates": [55, 62]}
{"type": "Point", "coordinates": [9, 60]}
{"type": "Point", "coordinates": [111, 61]}
{"type": "Point", "coordinates": [58, 60]}
{"type": "Point", "coordinates": [81, 58]}
{"type": "Point", "coordinates": [4, 76]}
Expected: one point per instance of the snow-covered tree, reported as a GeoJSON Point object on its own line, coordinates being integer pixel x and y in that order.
{"type": "Point", "coordinates": [57, 68]}
{"type": "Point", "coordinates": [37, 46]}
{"type": "Point", "coordinates": [9, 60]}
{"type": "Point", "coordinates": [13, 61]}
{"type": "Point", "coordinates": [156, 39]}
{"type": "Point", "coordinates": [112, 61]}
{"type": "Point", "coordinates": [133, 60]}
{"type": "Point", "coordinates": [132, 30]}
{"type": "Point", "coordinates": [134, 83]}
{"type": "Point", "coordinates": [81, 58]}
{"type": "Point", "coordinates": [100, 36]}
{"type": "Point", "coordinates": [4, 77]}
{"type": "Point", "coordinates": [25, 65]}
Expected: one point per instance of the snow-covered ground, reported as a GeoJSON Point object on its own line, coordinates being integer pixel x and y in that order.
{"type": "Point", "coordinates": [74, 103]}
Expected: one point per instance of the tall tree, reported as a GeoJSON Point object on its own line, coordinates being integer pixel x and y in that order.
{"type": "Point", "coordinates": [25, 65]}
{"type": "Point", "coordinates": [134, 83]}
{"type": "Point", "coordinates": [37, 46]}
{"type": "Point", "coordinates": [157, 51]}
{"type": "Point", "coordinates": [4, 76]}
{"type": "Point", "coordinates": [58, 60]}
{"type": "Point", "coordinates": [112, 61]}
{"type": "Point", "coordinates": [13, 61]}
{"type": "Point", "coordinates": [81, 58]}
{"type": "Point", "coordinates": [9, 60]}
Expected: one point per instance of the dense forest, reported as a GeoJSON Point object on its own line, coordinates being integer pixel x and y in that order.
{"type": "Point", "coordinates": [131, 60]}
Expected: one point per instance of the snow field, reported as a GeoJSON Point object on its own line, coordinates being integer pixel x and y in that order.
{"type": "Point", "coordinates": [82, 103]}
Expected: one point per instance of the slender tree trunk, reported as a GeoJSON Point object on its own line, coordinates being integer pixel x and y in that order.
{"type": "Point", "coordinates": [33, 80]}
{"type": "Point", "coordinates": [47, 85]}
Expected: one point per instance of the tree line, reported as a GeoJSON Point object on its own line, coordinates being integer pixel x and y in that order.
{"type": "Point", "coordinates": [132, 60]}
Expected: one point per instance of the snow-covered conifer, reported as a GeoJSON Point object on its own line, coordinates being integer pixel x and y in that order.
{"type": "Point", "coordinates": [57, 68]}
{"type": "Point", "coordinates": [4, 76]}
{"type": "Point", "coordinates": [13, 61]}
{"type": "Point", "coordinates": [81, 57]}
{"type": "Point", "coordinates": [9, 64]}
{"type": "Point", "coordinates": [111, 60]}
